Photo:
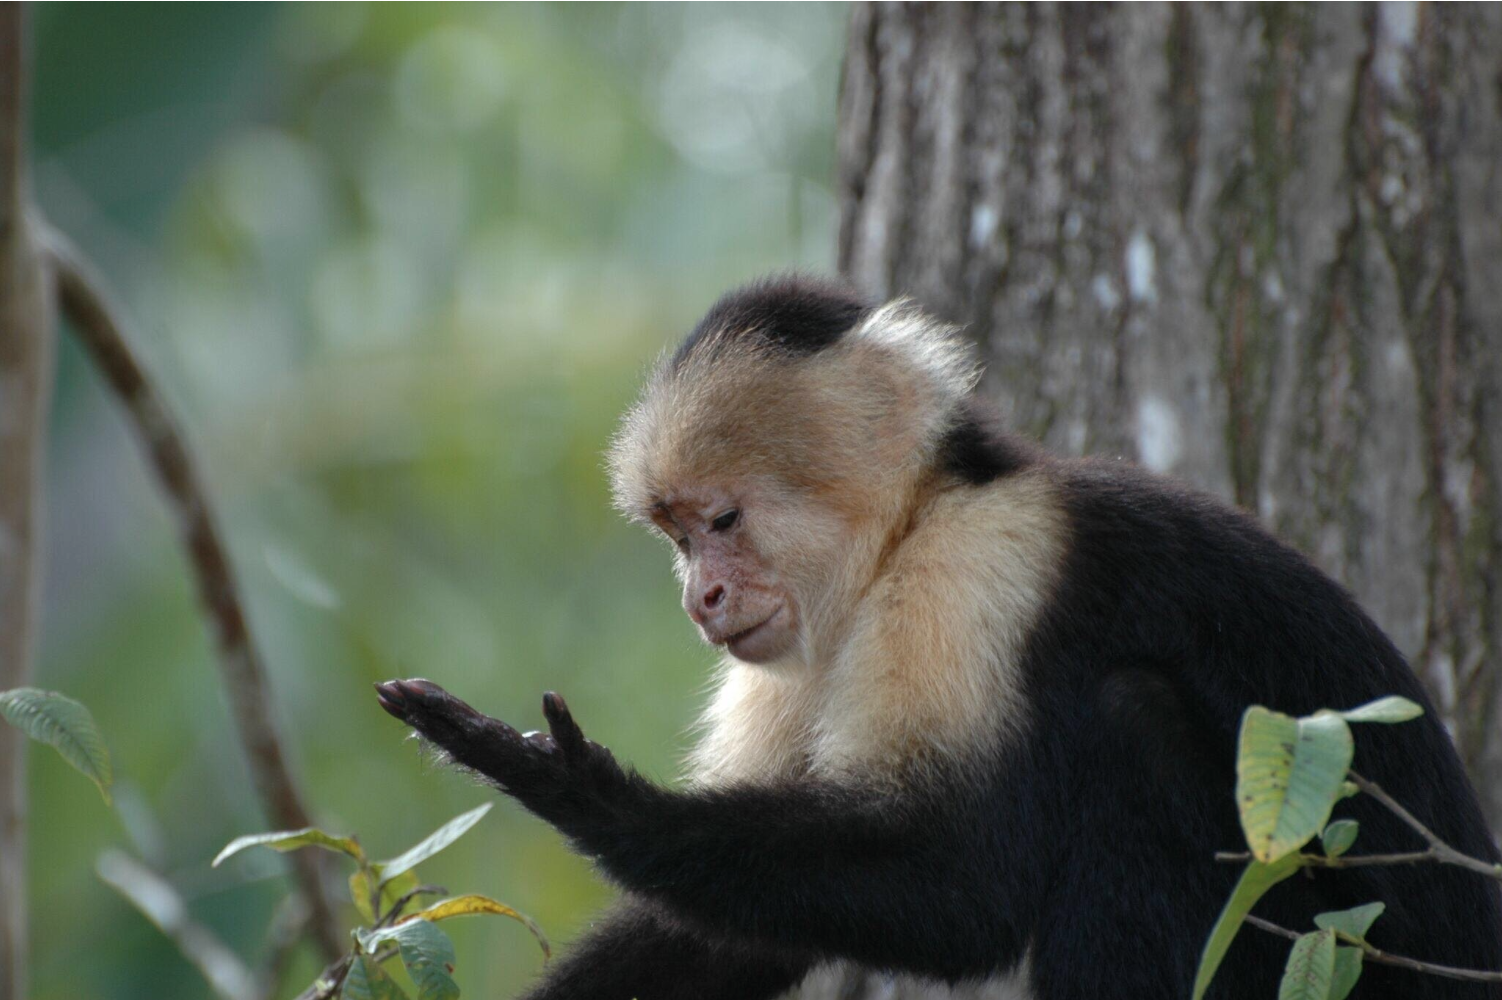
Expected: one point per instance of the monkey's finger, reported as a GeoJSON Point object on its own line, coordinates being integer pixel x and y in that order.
{"type": "Point", "coordinates": [401, 698]}
{"type": "Point", "coordinates": [392, 699]}
{"type": "Point", "coordinates": [566, 732]}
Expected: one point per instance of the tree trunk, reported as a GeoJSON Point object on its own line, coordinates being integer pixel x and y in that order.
{"type": "Point", "coordinates": [1257, 247]}
{"type": "Point", "coordinates": [26, 348]}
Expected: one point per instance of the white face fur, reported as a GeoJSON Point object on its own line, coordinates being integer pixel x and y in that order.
{"type": "Point", "coordinates": [756, 562]}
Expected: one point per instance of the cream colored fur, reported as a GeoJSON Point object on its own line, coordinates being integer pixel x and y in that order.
{"type": "Point", "coordinates": [930, 670]}
{"type": "Point", "coordinates": [917, 593]}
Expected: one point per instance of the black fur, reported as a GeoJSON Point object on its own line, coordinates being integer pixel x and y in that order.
{"type": "Point", "coordinates": [1088, 844]}
{"type": "Point", "coordinates": [975, 452]}
{"type": "Point", "coordinates": [794, 313]}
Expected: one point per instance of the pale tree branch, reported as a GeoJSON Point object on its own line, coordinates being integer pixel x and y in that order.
{"type": "Point", "coordinates": [1440, 850]}
{"type": "Point", "coordinates": [26, 352]}
{"type": "Point", "coordinates": [154, 896]}
{"type": "Point", "coordinates": [1374, 954]}
{"type": "Point", "coordinates": [96, 321]}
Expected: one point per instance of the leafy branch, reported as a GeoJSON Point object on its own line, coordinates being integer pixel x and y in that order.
{"type": "Point", "coordinates": [384, 892]}
{"type": "Point", "coordinates": [1290, 773]}
{"type": "Point", "coordinates": [1374, 954]}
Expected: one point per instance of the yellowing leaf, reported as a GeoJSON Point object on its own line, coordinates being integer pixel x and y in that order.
{"type": "Point", "coordinates": [61, 722]}
{"type": "Point", "coordinates": [291, 840]}
{"type": "Point", "coordinates": [461, 906]}
{"type": "Point", "coordinates": [1289, 773]}
{"type": "Point", "coordinates": [1310, 971]}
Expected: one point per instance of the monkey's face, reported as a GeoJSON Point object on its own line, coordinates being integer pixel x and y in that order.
{"type": "Point", "coordinates": [733, 589]}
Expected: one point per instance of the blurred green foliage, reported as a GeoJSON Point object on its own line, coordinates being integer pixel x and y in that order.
{"type": "Point", "coordinates": [399, 267]}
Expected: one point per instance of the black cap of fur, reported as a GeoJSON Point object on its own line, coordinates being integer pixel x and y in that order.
{"type": "Point", "coordinates": [792, 312]}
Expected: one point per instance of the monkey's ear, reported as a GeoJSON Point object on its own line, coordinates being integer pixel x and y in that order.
{"type": "Point", "coordinates": [940, 352]}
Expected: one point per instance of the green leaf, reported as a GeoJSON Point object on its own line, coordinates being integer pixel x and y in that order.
{"type": "Point", "coordinates": [291, 840]}
{"type": "Point", "coordinates": [368, 981]}
{"type": "Point", "coordinates": [461, 906]}
{"type": "Point", "coordinates": [391, 891]}
{"type": "Point", "coordinates": [1254, 883]}
{"type": "Point", "coordinates": [1311, 968]}
{"type": "Point", "coordinates": [1288, 777]}
{"type": "Point", "coordinates": [1339, 836]}
{"type": "Point", "coordinates": [1389, 709]}
{"type": "Point", "coordinates": [1355, 921]}
{"type": "Point", "coordinates": [1347, 971]}
{"type": "Point", "coordinates": [433, 842]}
{"type": "Point", "coordinates": [427, 953]}
{"type": "Point", "coordinates": [61, 722]}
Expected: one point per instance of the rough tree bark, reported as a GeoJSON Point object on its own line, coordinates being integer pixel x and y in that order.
{"type": "Point", "coordinates": [1257, 247]}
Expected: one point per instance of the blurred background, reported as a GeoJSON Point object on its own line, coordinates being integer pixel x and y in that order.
{"type": "Point", "coordinates": [398, 267]}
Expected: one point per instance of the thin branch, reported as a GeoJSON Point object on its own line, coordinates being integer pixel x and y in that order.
{"type": "Point", "coordinates": [27, 323]}
{"type": "Point", "coordinates": [1438, 850]}
{"type": "Point", "coordinates": [94, 318]}
{"type": "Point", "coordinates": [1442, 851]}
{"type": "Point", "coordinates": [331, 978]}
{"type": "Point", "coordinates": [155, 897]}
{"type": "Point", "coordinates": [1374, 954]}
{"type": "Point", "coordinates": [1344, 861]}
{"type": "Point", "coordinates": [390, 916]}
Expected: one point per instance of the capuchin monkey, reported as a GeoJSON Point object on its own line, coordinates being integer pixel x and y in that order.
{"type": "Point", "coordinates": [977, 712]}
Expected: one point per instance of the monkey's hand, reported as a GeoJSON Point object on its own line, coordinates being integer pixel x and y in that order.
{"type": "Point", "coordinates": [568, 780]}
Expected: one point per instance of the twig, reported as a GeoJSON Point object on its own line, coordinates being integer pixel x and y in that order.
{"type": "Point", "coordinates": [331, 978]}
{"type": "Point", "coordinates": [391, 915]}
{"type": "Point", "coordinates": [1374, 954]}
{"type": "Point", "coordinates": [160, 902]}
{"type": "Point", "coordinates": [1344, 861]}
{"type": "Point", "coordinates": [1438, 848]}
{"type": "Point", "coordinates": [95, 320]}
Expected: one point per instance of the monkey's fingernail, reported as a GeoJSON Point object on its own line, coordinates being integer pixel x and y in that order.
{"type": "Point", "coordinates": [392, 698]}
{"type": "Point", "coordinates": [553, 706]}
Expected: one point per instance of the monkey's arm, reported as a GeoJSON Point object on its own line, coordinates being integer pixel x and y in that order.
{"type": "Point", "coordinates": [639, 954]}
{"type": "Point", "coordinates": [875, 877]}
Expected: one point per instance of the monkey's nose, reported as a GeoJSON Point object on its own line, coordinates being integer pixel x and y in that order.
{"type": "Point", "coordinates": [714, 597]}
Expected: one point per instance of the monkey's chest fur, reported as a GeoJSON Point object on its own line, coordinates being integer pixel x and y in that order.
{"type": "Point", "coordinates": [930, 673]}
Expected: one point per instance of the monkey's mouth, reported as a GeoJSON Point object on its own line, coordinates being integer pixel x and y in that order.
{"type": "Point", "coordinates": [743, 637]}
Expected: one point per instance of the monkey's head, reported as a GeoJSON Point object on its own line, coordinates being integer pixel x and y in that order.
{"type": "Point", "coordinates": [780, 448]}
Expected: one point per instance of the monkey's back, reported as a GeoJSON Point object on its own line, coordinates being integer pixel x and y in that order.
{"type": "Point", "coordinates": [1173, 613]}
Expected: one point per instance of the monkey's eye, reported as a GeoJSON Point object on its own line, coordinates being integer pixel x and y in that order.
{"type": "Point", "coordinates": [726, 521]}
